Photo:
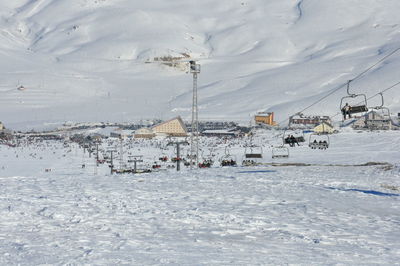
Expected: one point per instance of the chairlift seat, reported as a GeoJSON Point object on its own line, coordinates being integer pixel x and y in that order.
{"type": "Point", "coordinates": [298, 139]}
{"type": "Point", "coordinates": [280, 156]}
{"type": "Point", "coordinates": [358, 109]}
{"type": "Point", "coordinates": [253, 155]}
{"type": "Point", "coordinates": [228, 163]}
{"type": "Point", "coordinates": [280, 152]}
{"type": "Point", "coordinates": [249, 163]}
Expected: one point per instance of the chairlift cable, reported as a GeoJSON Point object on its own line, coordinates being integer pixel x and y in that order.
{"type": "Point", "coordinates": [385, 90]}
{"type": "Point", "coordinates": [345, 84]}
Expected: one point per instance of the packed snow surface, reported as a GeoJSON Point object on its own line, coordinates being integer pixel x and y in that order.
{"type": "Point", "coordinates": [337, 210]}
{"type": "Point", "coordinates": [85, 60]}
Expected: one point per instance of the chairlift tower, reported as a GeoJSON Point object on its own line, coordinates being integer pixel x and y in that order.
{"type": "Point", "coordinates": [178, 152]}
{"type": "Point", "coordinates": [194, 137]}
{"type": "Point", "coordinates": [135, 159]}
{"type": "Point", "coordinates": [111, 151]}
{"type": "Point", "coordinates": [121, 153]}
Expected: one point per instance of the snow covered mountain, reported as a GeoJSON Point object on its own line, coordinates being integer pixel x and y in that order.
{"type": "Point", "coordinates": [85, 60]}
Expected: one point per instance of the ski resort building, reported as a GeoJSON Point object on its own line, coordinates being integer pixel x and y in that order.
{"type": "Point", "coordinates": [121, 134]}
{"type": "Point", "coordinates": [302, 121]}
{"type": "Point", "coordinates": [324, 128]}
{"type": "Point", "coordinates": [265, 118]}
{"type": "Point", "coordinates": [144, 133]}
{"type": "Point", "coordinates": [173, 127]}
{"type": "Point", "coordinates": [373, 121]}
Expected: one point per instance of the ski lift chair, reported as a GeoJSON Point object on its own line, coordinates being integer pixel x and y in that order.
{"type": "Point", "coordinates": [299, 136]}
{"type": "Point", "coordinates": [318, 141]}
{"type": "Point", "coordinates": [227, 159]}
{"type": "Point", "coordinates": [252, 155]}
{"type": "Point", "coordinates": [207, 162]}
{"type": "Point", "coordinates": [253, 152]}
{"type": "Point", "coordinates": [360, 107]}
{"type": "Point", "coordinates": [163, 158]}
{"type": "Point", "coordinates": [385, 110]}
{"type": "Point", "coordinates": [280, 152]}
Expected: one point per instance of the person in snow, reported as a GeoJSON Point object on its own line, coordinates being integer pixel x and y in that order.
{"type": "Point", "coordinates": [294, 141]}
{"type": "Point", "coordinates": [346, 111]}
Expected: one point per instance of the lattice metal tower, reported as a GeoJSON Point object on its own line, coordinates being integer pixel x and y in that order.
{"type": "Point", "coordinates": [194, 137]}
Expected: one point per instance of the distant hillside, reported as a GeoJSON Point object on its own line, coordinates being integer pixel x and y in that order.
{"type": "Point", "coordinates": [85, 60]}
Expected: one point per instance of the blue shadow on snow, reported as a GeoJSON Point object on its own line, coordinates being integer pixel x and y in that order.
{"type": "Point", "coordinates": [371, 192]}
{"type": "Point", "coordinates": [256, 171]}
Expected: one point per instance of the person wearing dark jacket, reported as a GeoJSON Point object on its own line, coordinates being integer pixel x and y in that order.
{"type": "Point", "coordinates": [346, 111]}
{"type": "Point", "coordinates": [294, 141]}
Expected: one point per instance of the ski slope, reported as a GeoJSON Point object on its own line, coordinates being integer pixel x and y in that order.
{"type": "Point", "coordinates": [85, 60]}
{"type": "Point", "coordinates": [331, 212]}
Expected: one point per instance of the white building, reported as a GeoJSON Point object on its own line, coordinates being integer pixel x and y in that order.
{"type": "Point", "coordinates": [373, 121]}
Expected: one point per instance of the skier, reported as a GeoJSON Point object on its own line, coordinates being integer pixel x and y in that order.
{"type": "Point", "coordinates": [346, 111]}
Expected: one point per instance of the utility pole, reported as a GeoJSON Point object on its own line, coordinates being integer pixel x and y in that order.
{"type": "Point", "coordinates": [194, 137]}
{"type": "Point", "coordinates": [178, 152]}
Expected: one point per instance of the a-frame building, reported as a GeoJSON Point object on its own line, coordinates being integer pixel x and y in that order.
{"type": "Point", "coordinates": [173, 127]}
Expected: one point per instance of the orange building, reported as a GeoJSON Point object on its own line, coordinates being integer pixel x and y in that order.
{"type": "Point", "coordinates": [265, 118]}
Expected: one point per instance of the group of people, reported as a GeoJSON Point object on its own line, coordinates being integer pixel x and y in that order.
{"type": "Point", "coordinates": [206, 164]}
{"type": "Point", "coordinates": [292, 141]}
{"type": "Point", "coordinates": [228, 162]}
{"type": "Point", "coordinates": [319, 144]}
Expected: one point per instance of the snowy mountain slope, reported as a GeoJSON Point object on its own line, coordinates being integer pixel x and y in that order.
{"type": "Point", "coordinates": [85, 60]}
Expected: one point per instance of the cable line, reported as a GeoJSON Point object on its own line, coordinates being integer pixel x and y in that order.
{"type": "Point", "coordinates": [343, 85]}
{"type": "Point", "coordinates": [385, 90]}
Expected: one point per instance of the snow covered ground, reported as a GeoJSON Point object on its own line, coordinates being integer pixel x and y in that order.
{"type": "Point", "coordinates": [95, 60]}
{"type": "Point", "coordinates": [85, 61]}
{"type": "Point", "coordinates": [328, 213]}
